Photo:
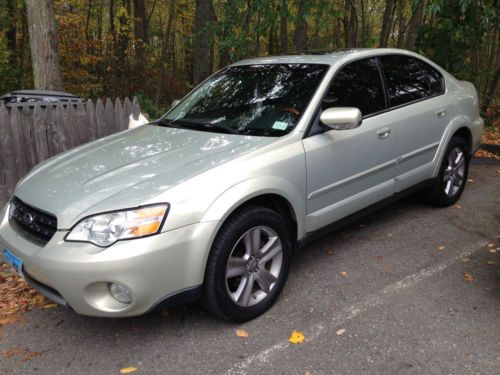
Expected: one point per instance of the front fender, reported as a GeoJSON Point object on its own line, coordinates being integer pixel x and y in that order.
{"type": "Point", "coordinates": [235, 196]}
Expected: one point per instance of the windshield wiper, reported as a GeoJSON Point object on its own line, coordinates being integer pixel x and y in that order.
{"type": "Point", "coordinates": [223, 128]}
{"type": "Point", "coordinates": [169, 123]}
{"type": "Point", "coordinates": [197, 125]}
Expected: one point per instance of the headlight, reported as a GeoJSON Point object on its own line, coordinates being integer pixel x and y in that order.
{"type": "Point", "coordinates": [105, 229]}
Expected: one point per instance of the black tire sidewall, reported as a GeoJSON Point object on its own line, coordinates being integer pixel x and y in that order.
{"type": "Point", "coordinates": [225, 240]}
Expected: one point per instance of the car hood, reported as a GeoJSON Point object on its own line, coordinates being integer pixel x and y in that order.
{"type": "Point", "coordinates": [127, 169]}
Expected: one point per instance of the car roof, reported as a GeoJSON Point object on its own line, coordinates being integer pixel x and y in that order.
{"type": "Point", "coordinates": [325, 57]}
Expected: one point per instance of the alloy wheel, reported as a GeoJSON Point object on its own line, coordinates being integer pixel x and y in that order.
{"type": "Point", "coordinates": [453, 176]}
{"type": "Point", "coordinates": [254, 266]}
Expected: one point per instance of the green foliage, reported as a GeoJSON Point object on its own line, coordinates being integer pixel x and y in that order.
{"type": "Point", "coordinates": [149, 107]}
{"type": "Point", "coordinates": [99, 54]}
{"type": "Point", "coordinates": [458, 39]}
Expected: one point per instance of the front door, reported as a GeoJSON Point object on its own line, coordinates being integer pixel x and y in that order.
{"type": "Point", "coordinates": [348, 170]}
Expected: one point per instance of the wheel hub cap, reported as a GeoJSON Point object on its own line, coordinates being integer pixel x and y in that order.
{"type": "Point", "coordinates": [252, 265]}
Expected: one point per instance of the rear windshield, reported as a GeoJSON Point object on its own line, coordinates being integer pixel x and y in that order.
{"type": "Point", "coordinates": [261, 100]}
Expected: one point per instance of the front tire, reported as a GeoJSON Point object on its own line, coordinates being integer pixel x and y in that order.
{"type": "Point", "coordinates": [450, 182]}
{"type": "Point", "coordinates": [248, 265]}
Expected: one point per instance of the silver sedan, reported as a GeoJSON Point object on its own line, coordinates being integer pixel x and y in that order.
{"type": "Point", "coordinates": [210, 201]}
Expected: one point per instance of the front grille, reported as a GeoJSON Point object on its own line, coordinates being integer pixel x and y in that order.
{"type": "Point", "coordinates": [34, 222]}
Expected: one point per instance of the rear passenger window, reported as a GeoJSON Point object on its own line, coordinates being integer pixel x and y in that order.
{"type": "Point", "coordinates": [409, 79]}
{"type": "Point", "coordinates": [357, 85]}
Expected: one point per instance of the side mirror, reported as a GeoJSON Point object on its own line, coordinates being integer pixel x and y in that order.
{"type": "Point", "coordinates": [341, 118]}
{"type": "Point", "coordinates": [174, 103]}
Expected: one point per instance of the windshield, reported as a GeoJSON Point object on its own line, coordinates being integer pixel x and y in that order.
{"type": "Point", "coordinates": [262, 100]}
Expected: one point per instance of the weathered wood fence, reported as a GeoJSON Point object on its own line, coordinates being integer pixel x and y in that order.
{"type": "Point", "coordinates": [33, 132]}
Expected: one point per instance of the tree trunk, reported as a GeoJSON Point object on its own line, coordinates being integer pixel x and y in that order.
{"type": "Point", "coordinates": [284, 26]}
{"type": "Point", "coordinates": [165, 49]}
{"type": "Point", "coordinates": [203, 41]}
{"type": "Point", "coordinates": [415, 23]}
{"type": "Point", "coordinates": [122, 79]}
{"type": "Point", "coordinates": [272, 41]}
{"type": "Point", "coordinates": [139, 36]}
{"type": "Point", "coordinates": [24, 52]}
{"type": "Point", "coordinates": [44, 44]}
{"type": "Point", "coordinates": [350, 24]}
{"type": "Point", "coordinates": [337, 27]}
{"type": "Point", "coordinates": [386, 23]}
{"type": "Point", "coordinates": [300, 37]}
{"type": "Point", "coordinates": [364, 32]}
{"type": "Point", "coordinates": [401, 25]}
{"type": "Point", "coordinates": [11, 33]}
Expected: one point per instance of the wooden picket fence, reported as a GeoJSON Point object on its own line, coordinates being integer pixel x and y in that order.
{"type": "Point", "coordinates": [33, 132]}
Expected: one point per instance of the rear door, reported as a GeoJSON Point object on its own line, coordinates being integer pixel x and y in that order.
{"type": "Point", "coordinates": [348, 170]}
{"type": "Point", "coordinates": [415, 92]}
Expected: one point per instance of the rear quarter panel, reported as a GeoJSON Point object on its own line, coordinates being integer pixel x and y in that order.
{"type": "Point", "coordinates": [463, 107]}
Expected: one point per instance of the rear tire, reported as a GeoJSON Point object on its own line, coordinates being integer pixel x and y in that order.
{"type": "Point", "coordinates": [452, 177]}
{"type": "Point", "coordinates": [248, 265]}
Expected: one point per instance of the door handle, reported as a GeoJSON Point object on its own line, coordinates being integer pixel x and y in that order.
{"type": "Point", "coordinates": [383, 133]}
{"type": "Point", "coordinates": [441, 114]}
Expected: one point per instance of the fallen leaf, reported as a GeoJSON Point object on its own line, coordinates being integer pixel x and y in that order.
{"type": "Point", "coordinates": [241, 333]}
{"type": "Point", "coordinates": [343, 274]}
{"type": "Point", "coordinates": [457, 206]}
{"type": "Point", "coordinates": [296, 337]}
{"type": "Point", "coordinates": [164, 312]}
{"type": "Point", "coordinates": [137, 327]}
{"type": "Point", "coordinates": [491, 245]}
{"type": "Point", "coordinates": [11, 319]}
{"type": "Point", "coordinates": [491, 262]}
{"type": "Point", "coordinates": [440, 248]}
{"type": "Point", "coordinates": [492, 251]}
{"type": "Point", "coordinates": [128, 370]}
{"type": "Point", "coordinates": [470, 180]}
{"type": "Point", "coordinates": [379, 257]}
{"type": "Point", "coordinates": [307, 372]}
{"type": "Point", "coordinates": [329, 252]}
{"type": "Point", "coordinates": [50, 306]}
{"type": "Point", "coordinates": [468, 277]}
{"type": "Point", "coordinates": [465, 259]}
{"type": "Point", "coordinates": [31, 355]}
{"type": "Point", "coordinates": [340, 332]}
{"type": "Point", "coordinates": [12, 352]}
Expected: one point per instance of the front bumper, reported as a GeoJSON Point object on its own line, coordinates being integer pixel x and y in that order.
{"type": "Point", "coordinates": [77, 274]}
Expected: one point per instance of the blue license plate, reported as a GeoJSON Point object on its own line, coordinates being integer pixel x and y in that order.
{"type": "Point", "coordinates": [14, 261]}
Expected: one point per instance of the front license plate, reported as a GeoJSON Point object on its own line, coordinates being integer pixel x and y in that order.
{"type": "Point", "coordinates": [14, 261]}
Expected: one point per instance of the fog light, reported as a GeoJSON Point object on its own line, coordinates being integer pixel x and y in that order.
{"type": "Point", "coordinates": [120, 292]}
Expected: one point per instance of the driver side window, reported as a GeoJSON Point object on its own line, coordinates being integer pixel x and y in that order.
{"type": "Point", "coordinates": [357, 85]}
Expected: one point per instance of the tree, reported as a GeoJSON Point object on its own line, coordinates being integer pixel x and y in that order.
{"type": "Point", "coordinates": [415, 23]}
{"type": "Point", "coordinates": [386, 23]}
{"type": "Point", "coordinates": [140, 37]}
{"type": "Point", "coordinates": [165, 49]}
{"type": "Point", "coordinates": [44, 44]}
{"type": "Point", "coordinates": [284, 26]}
{"type": "Point", "coordinates": [300, 37]}
{"type": "Point", "coordinates": [203, 40]}
{"type": "Point", "coordinates": [350, 24]}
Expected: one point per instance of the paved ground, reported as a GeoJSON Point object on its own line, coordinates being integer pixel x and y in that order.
{"type": "Point", "coordinates": [404, 305]}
